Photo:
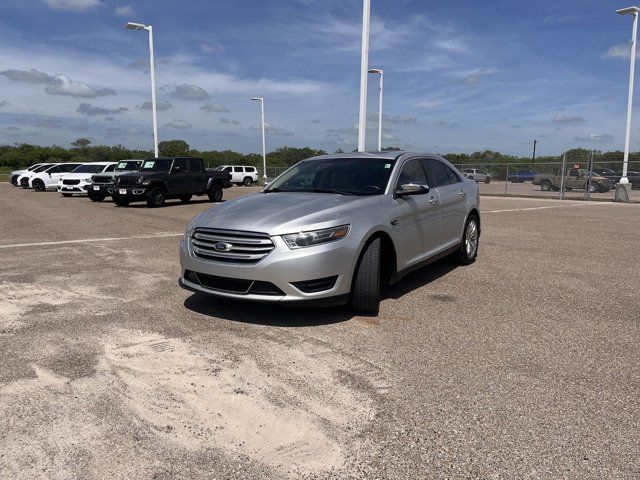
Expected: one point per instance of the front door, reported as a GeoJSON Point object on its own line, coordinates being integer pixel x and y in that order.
{"type": "Point", "coordinates": [179, 177]}
{"type": "Point", "coordinates": [417, 225]}
{"type": "Point", "coordinates": [198, 176]}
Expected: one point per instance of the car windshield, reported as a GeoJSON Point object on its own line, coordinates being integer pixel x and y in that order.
{"type": "Point", "coordinates": [157, 165]}
{"type": "Point", "coordinates": [346, 176]}
{"type": "Point", "coordinates": [88, 168]}
{"type": "Point", "coordinates": [217, 169]}
{"type": "Point", "coordinates": [128, 165]}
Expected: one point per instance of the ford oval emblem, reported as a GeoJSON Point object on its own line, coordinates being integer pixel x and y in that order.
{"type": "Point", "coordinates": [222, 247]}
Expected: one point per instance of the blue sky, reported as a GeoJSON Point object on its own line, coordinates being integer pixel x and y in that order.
{"type": "Point", "coordinates": [459, 76]}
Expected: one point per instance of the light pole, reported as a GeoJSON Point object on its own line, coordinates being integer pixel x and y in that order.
{"type": "Point", "coordinates": [533, 158]}
{"type": "Point", "coordinates": [381, 73]}
{"type": "Point", "coordinates": [364, 68]}
{"type": "Point", "coordinates": [149, 28]}
{"type": "Point", "coordinates": [629, 11]}
{"type": "Point", "coordinates": [264, 145]}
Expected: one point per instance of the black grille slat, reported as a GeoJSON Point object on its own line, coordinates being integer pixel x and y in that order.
{"type": "Point", "coordinates": [244, 247]}
{"type": "Point", "coordinates": [128, 181]}
{"type": "Point", "coordinates": [233, 285]}
{"type": "Point", "coordinates": [102, 179]}
{"type": "Point", "coordinates": [70, 182]}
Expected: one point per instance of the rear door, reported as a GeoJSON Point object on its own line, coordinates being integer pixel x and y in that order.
{"type": "Point", "coordinates": [418, 220]}
{"type": "Point", "coordinates": [238, 175]}
{"type": "Point", "coordinates": [198, 176]}
{"type": "Point", "coordinates": [453, 202]}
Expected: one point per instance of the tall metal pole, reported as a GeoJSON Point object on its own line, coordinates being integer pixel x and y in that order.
{"type": "Point", "coordinates": [380, 111]}
{"type": "Point", "coordinates": [153, 91]}
{"type": "Point", "coordinates": [364, 69]}
{"type": "Point", "coordinates": [535, 142]}
{"type": "Point", "coordinates": [632, 70]}
{"type": "Point", "coordinates": [264, 144]}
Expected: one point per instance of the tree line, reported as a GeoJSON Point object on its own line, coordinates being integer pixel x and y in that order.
{"type": "Point", "coordinates": [81, 150]}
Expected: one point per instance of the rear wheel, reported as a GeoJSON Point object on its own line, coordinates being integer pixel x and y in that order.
{"type": "Point", "coordinates": [185, 198]}
{"type": "Point", "coordinates": [215, 192]}
{"type": "Point", "coordinates": [468, 251]}
{"type": "Point", "coordinates": [155, 198]}
{"type": "Point", "coordinates": [365, 289]}
{"type": "Point", "coordinates": [487, 179]}
{"type": "Point", "coordinates": [120, 202]}
{"type": "Point", "coordinates": [247, 181]}
{"type": "Point", "coordinates": [545, 185]}
{"type": "Point", "coordinates": [38, 185]}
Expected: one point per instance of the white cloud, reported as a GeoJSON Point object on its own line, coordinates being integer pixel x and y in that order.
{"type": "Point", "coordinates": [214, 108]}
{"type": "Point", "coordinates": [565, 120]}
{"type": "Point", "coordinates": [211, 47]}
{"type": "Point", "coordinates": [66, 86]}
{"type": "Point", "coordinates": [233, 122]}
{"type": "Point", "coordinates": [92, 110]}
{"type": "Point", "coordinates": [73, 5]}
{"type": "Point", "coordinates": [160, 106]}
{"type": "Point", "coordinates": [595, 138]}
{"type": "Point", "coordinates": [124, 11]}
{"type": "Point", "coordinates": [452, 45]}
{"type": "Point", "coordinates": [272, 129]}
{"type": "Point", "coordinates": [189, 92]}
{"type": "Point", "coordinates": [620, 52]}
{"type": "Point", "coordinates": [178, 124]}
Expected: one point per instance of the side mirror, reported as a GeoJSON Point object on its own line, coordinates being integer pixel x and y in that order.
{"type": "Point", "coordinates": [176, 170]}
{"type": "Point", "coordinates": [411, 189]}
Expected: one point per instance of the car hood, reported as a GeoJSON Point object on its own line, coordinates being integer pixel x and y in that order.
{"type": "Point", "coordinates": [78, 176]}
{"type": "Point", "coordinates": [17, 172]}
{"type": "Point", "coordinates": [280, 213]}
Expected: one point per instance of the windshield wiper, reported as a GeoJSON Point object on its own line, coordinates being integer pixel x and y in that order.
{"type": "Point", "coordinates": [329, 190]}
{"type": "Point", "coordinates": [308, 190]}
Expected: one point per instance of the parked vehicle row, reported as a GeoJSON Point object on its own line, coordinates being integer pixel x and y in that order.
{"type": "Point", "coordinates": [152, 181]}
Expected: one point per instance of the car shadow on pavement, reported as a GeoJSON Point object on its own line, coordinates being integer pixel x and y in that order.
{"type": "Point", "coordinates": [172, 203]}
{"type": "Point", "coordinates": [419, 278]}
{"type": "Point", "coordinates": [266, 314]}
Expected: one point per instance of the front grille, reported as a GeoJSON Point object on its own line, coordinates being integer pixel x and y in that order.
{"type": "Point", "coordinates": [102, 179]}
{"type": "Point", "coordinates": [233, 285]}
{"type": "Point", "coordinates": [125, 180]}
{"type": "Point", "coordinates": [70, 182]}
{"type": "Point", "coordinates": [233, 246]}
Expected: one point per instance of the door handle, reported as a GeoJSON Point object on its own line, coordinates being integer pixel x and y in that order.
{"type": "Point", "coordinates": [463, 193]}
{"type": "Point", "coordinates": [433, 201]}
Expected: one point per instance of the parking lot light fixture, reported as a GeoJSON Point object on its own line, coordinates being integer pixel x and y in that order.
{"type": "Point", "coordinates": [381, 73]}
{"type": "Point", "coordinates": [264, 144]}
{"type": "Point", "coordinates": [154, 112]}
{"type": "Point", "coordinates": [629, 11]}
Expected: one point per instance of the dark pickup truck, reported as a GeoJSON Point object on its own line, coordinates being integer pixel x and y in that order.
{"type": "Point", "coordinates": [162, 178]}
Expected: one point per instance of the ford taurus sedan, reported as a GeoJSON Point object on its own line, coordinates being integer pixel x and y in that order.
{"type": "Point", "coordinates": [332, 229]}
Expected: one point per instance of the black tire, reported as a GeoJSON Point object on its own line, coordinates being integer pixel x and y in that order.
{"type": "Point", "coordinates": [247, 182]}
{"type": "Point", "coordinates": [546, 186]}
{"type": "Point", "coordinates": [14, 180]}
{"type": "Point", "coordinates": [120, 202]}
{"type": "Point", "coordinates": [97, 198]}
{"type": "Point", "coordinates": [467, 253]}
{"type": "Point", "coordinates": [67, 194]}
{"type": "Point", "coordinates": [38, 185]}
{"type": "Point", "coordinates": [24, 183]}
{"type": "Point", "coordinates": [215, 192]}
{"type": "Point", "coordinates": [593, 187]}
{"type": "Point", "coordinates": [365, 288]}
{"type": "Point", "coordinates": [568, 189]}
{"type": "Point", "coordinates": [185, 198]}
{"type": "Point", "coordinates": [155, 198]}
{"type": "Point", "coordinates": [487, 179]}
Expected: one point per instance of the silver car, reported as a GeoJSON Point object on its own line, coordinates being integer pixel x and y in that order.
{"type": "Point", "coordinates": [332, 229]}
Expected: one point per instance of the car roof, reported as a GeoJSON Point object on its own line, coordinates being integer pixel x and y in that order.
{"type": "Point", "coordinates": [390, 155]}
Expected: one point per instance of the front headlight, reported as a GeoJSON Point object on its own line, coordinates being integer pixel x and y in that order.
{"type": "Point", "coordinates": [315, 237]}
{"type": "Point", "coordinates": [191, 226]}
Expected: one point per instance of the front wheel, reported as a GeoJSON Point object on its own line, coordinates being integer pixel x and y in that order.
{"type": "Point", "coordinates": [39, 186]}
{"type": "Point", "coordinates": [155, 198]}
{"type": "Point", "coordinates": [24, 183]}
{"type": "Point", "coordinates": [215, 192]}
{"type": "Point", "coordinates": [545, 185]}
{"type": "Point", "coordinates": [120, 202]}
{"type": "Point", "coordinates": [487, 180]}
{"type": "Point", "coordinates": [468, 251]}
{"type": "Point", "coordinates": [365, 289]}
{"type": "Point", "coordinates": [247, 181]}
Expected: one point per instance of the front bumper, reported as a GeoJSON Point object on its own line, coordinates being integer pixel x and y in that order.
{"type": "Point", "coordinates": [101, 188]}
{"type": "Point", "coordinates": [130, 193]}
{"type": "Point", "coordinates": [282, 267]}
{"type": "Point", "coordinates": [79, 189]}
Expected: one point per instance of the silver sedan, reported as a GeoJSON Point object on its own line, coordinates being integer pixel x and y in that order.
{"type": "Point", "coordinates": [332, 229]}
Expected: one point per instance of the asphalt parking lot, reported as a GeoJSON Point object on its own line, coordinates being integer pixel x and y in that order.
{"type": "Point", "coordinates": [523, 365]}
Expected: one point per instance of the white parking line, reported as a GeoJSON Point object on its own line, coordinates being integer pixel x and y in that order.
{"type": "Point", "coordinates": [92, 240]}
{"type": "Point", "coordinates": [545, 207]}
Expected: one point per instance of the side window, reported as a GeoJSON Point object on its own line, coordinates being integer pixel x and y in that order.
{"type": "Point", "coordinates": [68, 168]}
{"type": "Point", "coordinates": [179, 165]}
{"type": "Point", "coordinates": [110, 168]}
{"type": "Point", "coordinates": [237, 169]}
{"type": "Point", "coordinates": [54, 170]}
{"type": "Point", "coordinates": [438, 176]}
{"type": "Point", "coordinates": [412, 172]}
{"type": "Point", "coordinates": [196, 165]}
{"type": "Point", "coordinates": [468, 170]}
{"type": "Point", "coordinates": [453, 176]}
{"type": "Point", "coordinates": [227, 169]}
{"type": "Point", "coordinates": [251, 169]}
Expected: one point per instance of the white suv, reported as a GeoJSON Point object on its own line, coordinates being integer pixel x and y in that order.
{"type": "Point", "coordinates": [240, 174]}
{"type": "Point", "coordinates": [48, 179]}
{"type": "Point", "coordinates": [477, 175]}
{"type": "Point", "coordinates": [78, 182]}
